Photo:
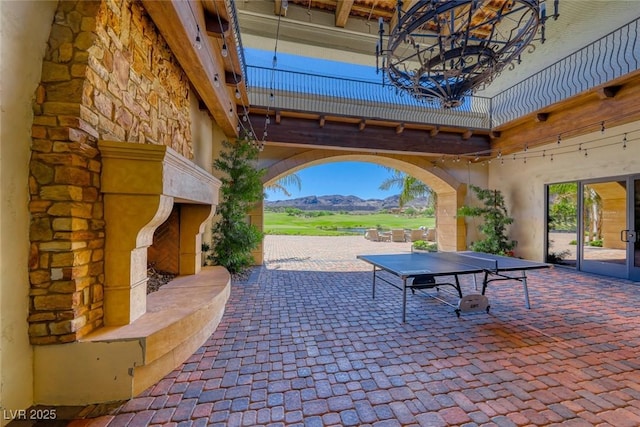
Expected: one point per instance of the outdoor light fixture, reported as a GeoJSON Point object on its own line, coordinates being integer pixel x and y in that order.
{"type": "Point", "coordinates": [442, 50]}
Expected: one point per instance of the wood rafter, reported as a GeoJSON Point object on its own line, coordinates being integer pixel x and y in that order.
{"type": "Point", "coordinates": [302, 130]}
{"type": "Point", "coordinates": [177, 24]}
{"type": "Point", "coordinates": [343, 10]}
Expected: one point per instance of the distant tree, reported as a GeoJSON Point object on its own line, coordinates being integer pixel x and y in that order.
{"type": "Point", "coordinates": [563, 206]}
{"type": "Point", "coordinates": [286, 181]}
{"type": "Point", "coordinates": [410, 188]}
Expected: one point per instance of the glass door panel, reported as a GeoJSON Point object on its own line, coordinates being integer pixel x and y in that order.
{"type": "Point", "coordinates": [604, 221]}
{"type": "Point", "coordinates": [634, 236]}
{"type": "Point", "coordinates": [562, 223]}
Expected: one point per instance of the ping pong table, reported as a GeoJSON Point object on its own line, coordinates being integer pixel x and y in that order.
{"type": "Point", "coordinates": [419, 270]}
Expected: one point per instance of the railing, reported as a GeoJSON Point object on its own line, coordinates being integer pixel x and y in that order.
{"type": "Point", "coordinates": [324, 94]}
{"type": "Point", "coordinates": [233, 15]}
{"type": "Point", "coordinates": [613, 56]}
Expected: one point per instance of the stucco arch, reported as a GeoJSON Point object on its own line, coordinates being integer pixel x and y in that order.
{"type": "Point", "coordinates": [451, 192]}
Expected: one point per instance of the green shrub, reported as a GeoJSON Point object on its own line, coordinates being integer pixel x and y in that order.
{"type": "Point", "coordinates": [596, 243]}
{"type": "Point", "coordinates": [423, 245]}
{"type": "Point", "coordinates": [233, 237]}
{"type": "Point", "coordinates": [495, 219]}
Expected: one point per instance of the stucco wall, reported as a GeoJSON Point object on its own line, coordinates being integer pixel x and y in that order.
{"type": "Point", "coordinates": [523, 183]}
{"type": "Point", "coordinates": [201, 134]}
{"type": "Point", "coordinates": [23, 48]}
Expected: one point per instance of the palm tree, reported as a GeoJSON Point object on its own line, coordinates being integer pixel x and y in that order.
{"type": "Point", "coordinates": [410, 187]}
{"type": "Point", "coordinates": [286, 181]}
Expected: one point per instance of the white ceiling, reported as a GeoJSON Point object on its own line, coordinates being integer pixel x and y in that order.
{"type": "Point", "coordinates": [310, 32]}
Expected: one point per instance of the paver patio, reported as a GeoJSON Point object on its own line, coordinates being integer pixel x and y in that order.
{"type": "Point", "coordinates": [304, 343]}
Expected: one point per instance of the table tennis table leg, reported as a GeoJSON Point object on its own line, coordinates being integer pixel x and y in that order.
{"type": "Point", "coordinates": [526, 290]}
{"type": "Point", "coordinates": [404, 299]}
{"type": "Point", "coordinates": [374, 283]}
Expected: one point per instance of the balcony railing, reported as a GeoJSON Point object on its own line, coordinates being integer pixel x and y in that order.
{"type": "Point", "coordinates": [322, 94]}
{"type": "Point", "coordinates": [613, 56]}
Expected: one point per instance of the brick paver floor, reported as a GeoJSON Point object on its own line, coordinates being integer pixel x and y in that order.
{"type": "Point", "coordinates": [306, 345]}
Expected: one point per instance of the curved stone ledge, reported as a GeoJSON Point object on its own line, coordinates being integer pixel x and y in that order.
{"type": "Point", "coordinates": [118, 362]}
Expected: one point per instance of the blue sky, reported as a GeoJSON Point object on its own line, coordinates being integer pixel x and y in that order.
{"type": "Point", "coordinates": [341, 178]}
{"type": "Point", "coordinates": [305, 64]}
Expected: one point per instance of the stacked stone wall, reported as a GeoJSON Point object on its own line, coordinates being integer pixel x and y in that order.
{"type": "Point", "coordinates": [107, 74]}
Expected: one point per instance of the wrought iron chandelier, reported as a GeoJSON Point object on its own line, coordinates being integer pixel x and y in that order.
{"type": "Point", "coordinates": [439, 51]}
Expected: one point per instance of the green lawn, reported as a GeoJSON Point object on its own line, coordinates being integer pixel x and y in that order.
{"type": "Point", "coordinates": [332, 224]}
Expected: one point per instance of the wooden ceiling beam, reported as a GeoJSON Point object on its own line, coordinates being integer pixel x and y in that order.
{"type": "Point", "coordinates": [345, 136]}
{"type": "Point", "coordinates": [179, 27]}
{"type": "Point", "coordinates": [343, 10]}
{"type": "Point", "coordinates": [279, 9]}
{"type": "Point", "coordinates": [218, 27]}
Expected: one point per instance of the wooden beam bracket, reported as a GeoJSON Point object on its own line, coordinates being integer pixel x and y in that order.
{"type": "Point", "coordinates": [542, 117]}
{"type": "Point", "coordinates": [609, 91]}
{"type": "Point", "coordinates": [232, 79]}
{"type": "Point", "coordinates": [215, 25]}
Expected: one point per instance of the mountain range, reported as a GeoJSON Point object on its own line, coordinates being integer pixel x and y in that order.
{"type": "Point", "coordinates": [342, 203]}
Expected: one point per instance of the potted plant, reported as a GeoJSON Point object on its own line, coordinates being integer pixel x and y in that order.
{"type": "Point", "coordinates": [495, 219]}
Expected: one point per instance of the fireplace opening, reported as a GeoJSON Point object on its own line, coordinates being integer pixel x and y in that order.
{"type": "Point", "coordinates": [163, 256]}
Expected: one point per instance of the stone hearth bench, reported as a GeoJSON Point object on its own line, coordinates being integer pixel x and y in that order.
{"type": "Point", "coordinates": [118, 362]}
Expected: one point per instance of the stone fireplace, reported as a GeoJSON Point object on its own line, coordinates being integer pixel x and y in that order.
{"type": "Point", "coordinates": [148, 189]}
{"type": "Point", "coordinates": [142, 185]}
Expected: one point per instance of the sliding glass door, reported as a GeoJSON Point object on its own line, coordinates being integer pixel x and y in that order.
{"type": "Point", "coordinates": [562, 224]}
{"type": "Point", "coordinates": [633, 234]}
{"type": "Point", "coordinates": [604, 219]}
{"type": "Point", "coordinates": [594, 226]}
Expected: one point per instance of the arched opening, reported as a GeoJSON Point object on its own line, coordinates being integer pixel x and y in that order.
{"type": "Point", "coordinates": [450, 192]}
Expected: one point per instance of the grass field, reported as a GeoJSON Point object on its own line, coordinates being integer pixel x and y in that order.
{"type": "Point", "coordinates": [338, 224]}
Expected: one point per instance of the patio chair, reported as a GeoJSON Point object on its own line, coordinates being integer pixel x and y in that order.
{"type": "Point", "coordinates": [375, 236]}
{"type": "Point", "coordinates": [430, 235]}
{"type": "Point", "coordinates": [398, 235]}
{"type": "Point", "coordinates": [416, 235]}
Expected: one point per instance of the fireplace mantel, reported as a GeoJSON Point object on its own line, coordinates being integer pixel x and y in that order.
{"type": "Point", "coordinates": [140, 183]}
{"type": "Point", "coordinates": [147, 169]}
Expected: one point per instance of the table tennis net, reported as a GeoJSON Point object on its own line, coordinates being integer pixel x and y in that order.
{"type": "Point", "coordinates": [484, 263]}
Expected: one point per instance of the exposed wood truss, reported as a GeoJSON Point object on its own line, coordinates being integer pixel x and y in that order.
{"type": "Point", "coordinates": [308, 130]}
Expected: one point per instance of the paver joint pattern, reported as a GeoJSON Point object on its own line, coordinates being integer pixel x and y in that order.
{"type": "Point", "coordinates": [306, 345]}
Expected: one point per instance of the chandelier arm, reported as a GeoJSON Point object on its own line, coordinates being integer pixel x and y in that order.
{"type": "Point", "coordinates": [446, 49]}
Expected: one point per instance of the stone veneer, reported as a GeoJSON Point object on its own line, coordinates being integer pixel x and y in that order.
{"type": "Point", "coordinates": [107, 74]}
